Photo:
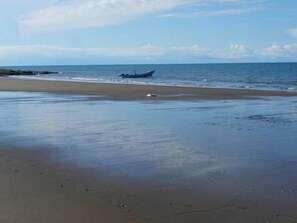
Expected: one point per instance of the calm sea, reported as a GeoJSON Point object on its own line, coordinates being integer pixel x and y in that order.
{"type": "Point", "coordinates": [276, 76]}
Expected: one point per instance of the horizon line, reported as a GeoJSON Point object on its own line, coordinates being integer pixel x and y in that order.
{"type": "Point", "coordinates": [138, 64]}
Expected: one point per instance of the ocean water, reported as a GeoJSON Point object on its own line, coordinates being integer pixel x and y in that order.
{"type": "Point", "coordinates": [273, 76]}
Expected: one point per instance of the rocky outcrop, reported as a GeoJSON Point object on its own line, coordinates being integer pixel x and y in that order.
{"type": "Point", "coordinates": [8, 72]}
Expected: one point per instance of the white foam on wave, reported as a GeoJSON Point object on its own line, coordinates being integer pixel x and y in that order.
{"type": "Point", "coordinates": [84, 79]}
{"type": "Point", "coordinates": [292, 89]}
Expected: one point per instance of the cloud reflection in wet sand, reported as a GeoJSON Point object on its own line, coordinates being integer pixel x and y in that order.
{"type": "Point", "coordinates": [181, 139]}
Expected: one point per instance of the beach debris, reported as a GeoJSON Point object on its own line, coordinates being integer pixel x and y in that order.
{"type": "Point", "coordinates": [151, 95]}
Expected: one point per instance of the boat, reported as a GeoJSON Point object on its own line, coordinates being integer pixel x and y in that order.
{"type": "Point", "coordinates": [135, 75]}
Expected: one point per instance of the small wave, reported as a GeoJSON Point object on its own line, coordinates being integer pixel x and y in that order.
{"type": "Point", "coordinates": [272, 82]}
{"type": "Point", "coordinates": [246, 86]}
{"type": "Point", "coordinates": [84, 79]}
{"type": "Point", "coordinates": [25, 77]}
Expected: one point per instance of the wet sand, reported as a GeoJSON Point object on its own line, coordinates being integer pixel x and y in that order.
{"type": "Point", "coordinates": [35, 190]}
{"type": "Point", "coordinates": [134, 92]}
{"type": "Point", "coordinates": [234, 162]}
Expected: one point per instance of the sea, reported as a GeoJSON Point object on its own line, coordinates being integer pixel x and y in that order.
{"type": "Point", "coordinates": [266, 76]}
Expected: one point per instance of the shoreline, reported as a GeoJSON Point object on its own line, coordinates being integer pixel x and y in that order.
{"type": "Point", "coordinates": [133, 91]}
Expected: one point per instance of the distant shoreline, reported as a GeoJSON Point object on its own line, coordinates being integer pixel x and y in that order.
{"type": "Point", "coordinates": [12, 72]}
{"type": "Point", "coordinates": [134, 91]}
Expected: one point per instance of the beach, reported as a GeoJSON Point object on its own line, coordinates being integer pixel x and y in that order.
{"type": "Point", "coordinates": [98, 152]}
{"type": "Point", "coordinates": [148, 111]}
{"type": "Point", "coordinates": [134, 91]}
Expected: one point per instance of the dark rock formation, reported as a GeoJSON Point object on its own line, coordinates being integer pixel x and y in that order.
{"type": "Point", "coordinates": [7, 72]}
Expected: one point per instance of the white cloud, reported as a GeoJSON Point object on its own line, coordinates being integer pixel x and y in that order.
{"type": "Point", "coordinates": [281, 51]}
{"type": "Point", "coordinates": [292, 32]}
{"type": "Point", "coordinates": [53, 51]}
{"type": "Point", "coordinates": [236, 52]}
{"type": "Point", "coordinates": [273, 50]}
{"type": "Point", "coordinates": [241, 50]}
{"type": "Point", "coordinates": [91, 13]}
{"type": "Point", "coordinates": [211, 13]}
{"type": "Point", "coordinates": [74, 14]}
{"type": "Point", "coordinates": [210, 8]}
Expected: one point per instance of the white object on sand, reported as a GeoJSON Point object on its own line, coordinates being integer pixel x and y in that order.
{"type": "Point", "coordinates": [151, 95]}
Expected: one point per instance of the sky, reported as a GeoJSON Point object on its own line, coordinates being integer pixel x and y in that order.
{"type": "Point", "coordinates": [59, 32]}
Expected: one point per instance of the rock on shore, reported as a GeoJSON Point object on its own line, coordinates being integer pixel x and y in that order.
{"type": "Point", "coordinates": [8, 72]}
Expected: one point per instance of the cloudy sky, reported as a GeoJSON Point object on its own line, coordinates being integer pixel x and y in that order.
{"type": "Point", "coordinates": [44, 32]}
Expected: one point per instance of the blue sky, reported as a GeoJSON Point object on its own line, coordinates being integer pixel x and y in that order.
{"type": "Point", "coordinates": [48, 32]}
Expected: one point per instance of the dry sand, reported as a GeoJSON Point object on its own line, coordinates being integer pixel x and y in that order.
{"type": "Point", "coordinates": [133, 92]}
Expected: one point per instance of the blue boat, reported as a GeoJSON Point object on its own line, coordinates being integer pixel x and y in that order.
{"type": "Point", "coordinates": [135, 75]}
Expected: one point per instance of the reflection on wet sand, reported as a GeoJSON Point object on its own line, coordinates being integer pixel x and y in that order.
{"type": "Point", "coordinates": [225, 155]}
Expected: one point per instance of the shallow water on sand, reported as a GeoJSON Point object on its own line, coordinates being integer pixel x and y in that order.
{"type": "Point", "coordinates": [152, 138]}
{"type": "Point", "coordinates": [237, 156]}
